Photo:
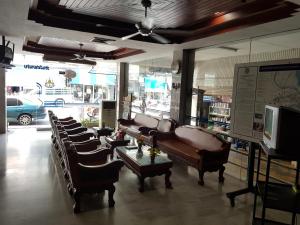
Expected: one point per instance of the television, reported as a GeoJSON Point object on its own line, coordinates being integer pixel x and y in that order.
{"type": "Point", "coordinates": [282, 129]}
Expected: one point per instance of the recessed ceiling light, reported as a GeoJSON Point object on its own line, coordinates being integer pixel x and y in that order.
{"type": "Point", "coordinates": [219, 13]}
{"type": "Point", "coordinates": [99, 25]}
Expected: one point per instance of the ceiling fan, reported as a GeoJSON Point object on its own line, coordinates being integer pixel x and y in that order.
{"type": "Point", "coordinates": [146, 28]}
{"type": "Point", "coordinates": [81, 56]}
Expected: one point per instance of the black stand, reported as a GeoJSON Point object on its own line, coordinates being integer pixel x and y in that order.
{"type": "Point", "coordinates": [250, 177]}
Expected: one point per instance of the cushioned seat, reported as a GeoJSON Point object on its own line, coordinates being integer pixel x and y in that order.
{"type": "Point", "coordinates": [144, 124]}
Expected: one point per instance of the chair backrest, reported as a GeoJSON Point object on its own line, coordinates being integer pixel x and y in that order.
{"type": "Point", "coordinates": [71, 160]}
{"type": "Point", "coordinates": [199, 138]}
{"type": "Point", "coordinates": [145, 120]}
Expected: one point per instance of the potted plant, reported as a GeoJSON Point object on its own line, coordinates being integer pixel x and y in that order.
{"type": "Point", "coordinates": [153, 152]}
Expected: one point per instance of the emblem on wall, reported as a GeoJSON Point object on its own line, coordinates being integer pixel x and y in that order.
{"type": "Point", "coordinates": [49, 83]}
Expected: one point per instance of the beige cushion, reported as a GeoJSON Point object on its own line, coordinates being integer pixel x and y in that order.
{"type": "Point", "coordinates": [198, 138]}
{"type": "Point", "coordinates": [164, 125]}
{"type": "Point", "coordinates": [146, 121]}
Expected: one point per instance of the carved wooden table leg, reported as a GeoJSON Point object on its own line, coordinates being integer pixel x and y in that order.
{"type": "Point", "coordinates": [111, 192]}
{"type": "Point", "coordinates": [167, 180]}
{"type": "Point", "coordinates": [141, 179]}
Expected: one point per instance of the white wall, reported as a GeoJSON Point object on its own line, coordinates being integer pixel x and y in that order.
{"type": "Point", "coordinates": [223, 69]}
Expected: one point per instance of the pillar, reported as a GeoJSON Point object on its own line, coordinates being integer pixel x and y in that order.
{"type": "Point", "coordinates": [182, 85]}
{"type": "Point", "coordinates": [3, 123]}
{"type": "Point", "coordinates": [123, 79]}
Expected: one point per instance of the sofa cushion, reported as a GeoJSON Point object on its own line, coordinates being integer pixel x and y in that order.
{"type": "Point", "coordinates": [165, 125]}
{"type": "Point", "coordinates": [180, 149]}
{"type": "Point", "coordinates": [199, 138]}
{"type": "Point", "coordinates": [133, 131]}
{"type": "Point", "coordinates": [146, 121]}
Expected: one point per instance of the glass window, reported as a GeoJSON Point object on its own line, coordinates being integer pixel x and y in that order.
{"type": "Point", "coordinates": [151, 88]}
{"type": "Point", "coordinates": [13, 102]}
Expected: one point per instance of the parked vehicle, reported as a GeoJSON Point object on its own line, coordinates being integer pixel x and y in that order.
{"type": "Point", "coordinates": [24, 111]}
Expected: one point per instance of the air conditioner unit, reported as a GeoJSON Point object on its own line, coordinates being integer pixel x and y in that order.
{"type": "Point", "coordinates": [108, 113]}
{"type": "Point", "coordinates": [6, 53]}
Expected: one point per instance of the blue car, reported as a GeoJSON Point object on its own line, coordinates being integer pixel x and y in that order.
{"type": "Point", "coordinates": [24, 111]}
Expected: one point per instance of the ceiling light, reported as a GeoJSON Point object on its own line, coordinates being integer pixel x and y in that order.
{"type": "Point", "coordinates": [219, 13]}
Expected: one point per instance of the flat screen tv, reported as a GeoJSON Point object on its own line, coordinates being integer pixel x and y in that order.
{"type": "Point", "coordinates": [282, 129]}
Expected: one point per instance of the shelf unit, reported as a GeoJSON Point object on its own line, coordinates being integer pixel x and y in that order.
{"type": "Point", "coordinates": [219, 114]}
{"type": "Point", "coordinates": [278, 196]}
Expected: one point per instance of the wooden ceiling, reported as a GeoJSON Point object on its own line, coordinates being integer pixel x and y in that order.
{"type": "Point", "coordinates": [194, 18]}
{"type": "Point", "coordinates": [167, 13]}
{"type": "Point", "coordinates": [53, 50]}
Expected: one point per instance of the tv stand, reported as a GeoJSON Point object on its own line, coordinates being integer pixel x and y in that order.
{"type": "Point", "coordinates": [279, 196]}
{"type": "Point", "coordinates": [250, 177]}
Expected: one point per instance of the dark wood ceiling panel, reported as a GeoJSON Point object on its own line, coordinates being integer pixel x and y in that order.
{"type": "Point", "coordinates": [117, 18]}
{"type": "Point", "coordinates": [67, 52]}
{"type": "Point", "coordinates": [167, 13]}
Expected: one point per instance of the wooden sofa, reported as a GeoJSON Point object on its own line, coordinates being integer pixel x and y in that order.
{"type": "Point", "coordinates": [196, 147]}
{"type": "Point", "coordinates": [143, 124]}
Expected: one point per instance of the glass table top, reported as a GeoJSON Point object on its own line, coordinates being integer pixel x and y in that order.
{"type": "Point", "coordinates": [144, 158]}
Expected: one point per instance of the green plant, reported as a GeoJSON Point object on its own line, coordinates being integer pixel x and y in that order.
{"type": "Point", "coordinates": [88, 123]}
{"type": "Point", "coordinates": [153, 151]}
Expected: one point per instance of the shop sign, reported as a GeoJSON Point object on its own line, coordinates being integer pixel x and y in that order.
{"type": "Point", "coordinates": [36, 67]}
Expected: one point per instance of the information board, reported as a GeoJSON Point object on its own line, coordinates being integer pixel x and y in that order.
{"type": "Point", "coordinates": [257, 84]}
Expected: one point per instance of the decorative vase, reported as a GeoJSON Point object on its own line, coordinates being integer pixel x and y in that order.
{"type": "Point", "coordinates": [152, 157]}
{"type": "Point", "coordinates": [140, 148]}
{"type": "Point", "coordinates": [139, 154]}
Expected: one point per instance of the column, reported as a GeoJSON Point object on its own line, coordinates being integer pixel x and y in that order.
{"type": "Point", "coordinates": [3, 123]}
{"type": "Point", "coordinates": [122, 86]}
{"type": "Point", "coordinates": [182, 84]}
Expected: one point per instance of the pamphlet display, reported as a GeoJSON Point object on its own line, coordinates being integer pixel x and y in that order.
{"type": "Point", "coordinates": [255, 85]}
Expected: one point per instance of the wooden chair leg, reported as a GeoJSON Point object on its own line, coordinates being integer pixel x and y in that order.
{"type": "Point", "coordinates": [111, 192]}
{"type": "Point", "coordinates": [76, 206]}
{"type": "Point", "coordinates": [221, 174]}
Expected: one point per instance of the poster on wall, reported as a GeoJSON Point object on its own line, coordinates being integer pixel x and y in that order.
{"type": "Point", "coordinates": [258, 84]}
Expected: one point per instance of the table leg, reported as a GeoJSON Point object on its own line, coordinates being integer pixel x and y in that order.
{"type": "Point", "coordinates": [167, 180]}
{"type": "Point", "coordinates": [141, 179]}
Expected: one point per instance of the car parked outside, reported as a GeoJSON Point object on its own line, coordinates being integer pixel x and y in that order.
{"type": "Point", "coordinates": [24, 111]}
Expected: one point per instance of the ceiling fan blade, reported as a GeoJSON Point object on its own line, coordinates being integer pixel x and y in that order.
{"type": "Point", "coordinates": [160, 39]}
{"type": "Point", "coordinates": [130, 36]}
{"type": "Point", "coordinates": [174, 32]}
{"type": "Point", "coordinates": [77, 55]}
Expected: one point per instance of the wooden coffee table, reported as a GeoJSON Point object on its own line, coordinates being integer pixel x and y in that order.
{"type": "Point", "coordinates": [142, 166]}
{"type": "Point", "coordinates": [112, 143]}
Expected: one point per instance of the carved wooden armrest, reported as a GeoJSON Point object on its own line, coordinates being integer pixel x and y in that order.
{"type": "Point", "coordinates": [66, 118]}
{"type": "Point", "coordinates": [86, 146]}
{"type": "Point", "coordinates": [107, 170]}
{"type": "Point", "coordinates": [125, 121]}
{"type": "Point", "coordinates": [146, 130]}
{"type": "Point", "coordinates": [98, 156]}
{"type": "Point", "coordinates": [72, 126]}
{"type": "Point", "coordinates": [162, 135]}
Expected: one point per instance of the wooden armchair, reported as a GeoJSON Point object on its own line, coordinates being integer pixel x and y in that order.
{"type": "Point", "coordinates": [90, 177]}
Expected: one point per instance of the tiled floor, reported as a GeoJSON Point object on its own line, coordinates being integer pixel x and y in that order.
{"type": "Point", "coordinates": [32, 191]}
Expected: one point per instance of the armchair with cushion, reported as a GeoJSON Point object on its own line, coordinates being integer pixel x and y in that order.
{"type": "Point", "coordinates": [91, 178]}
